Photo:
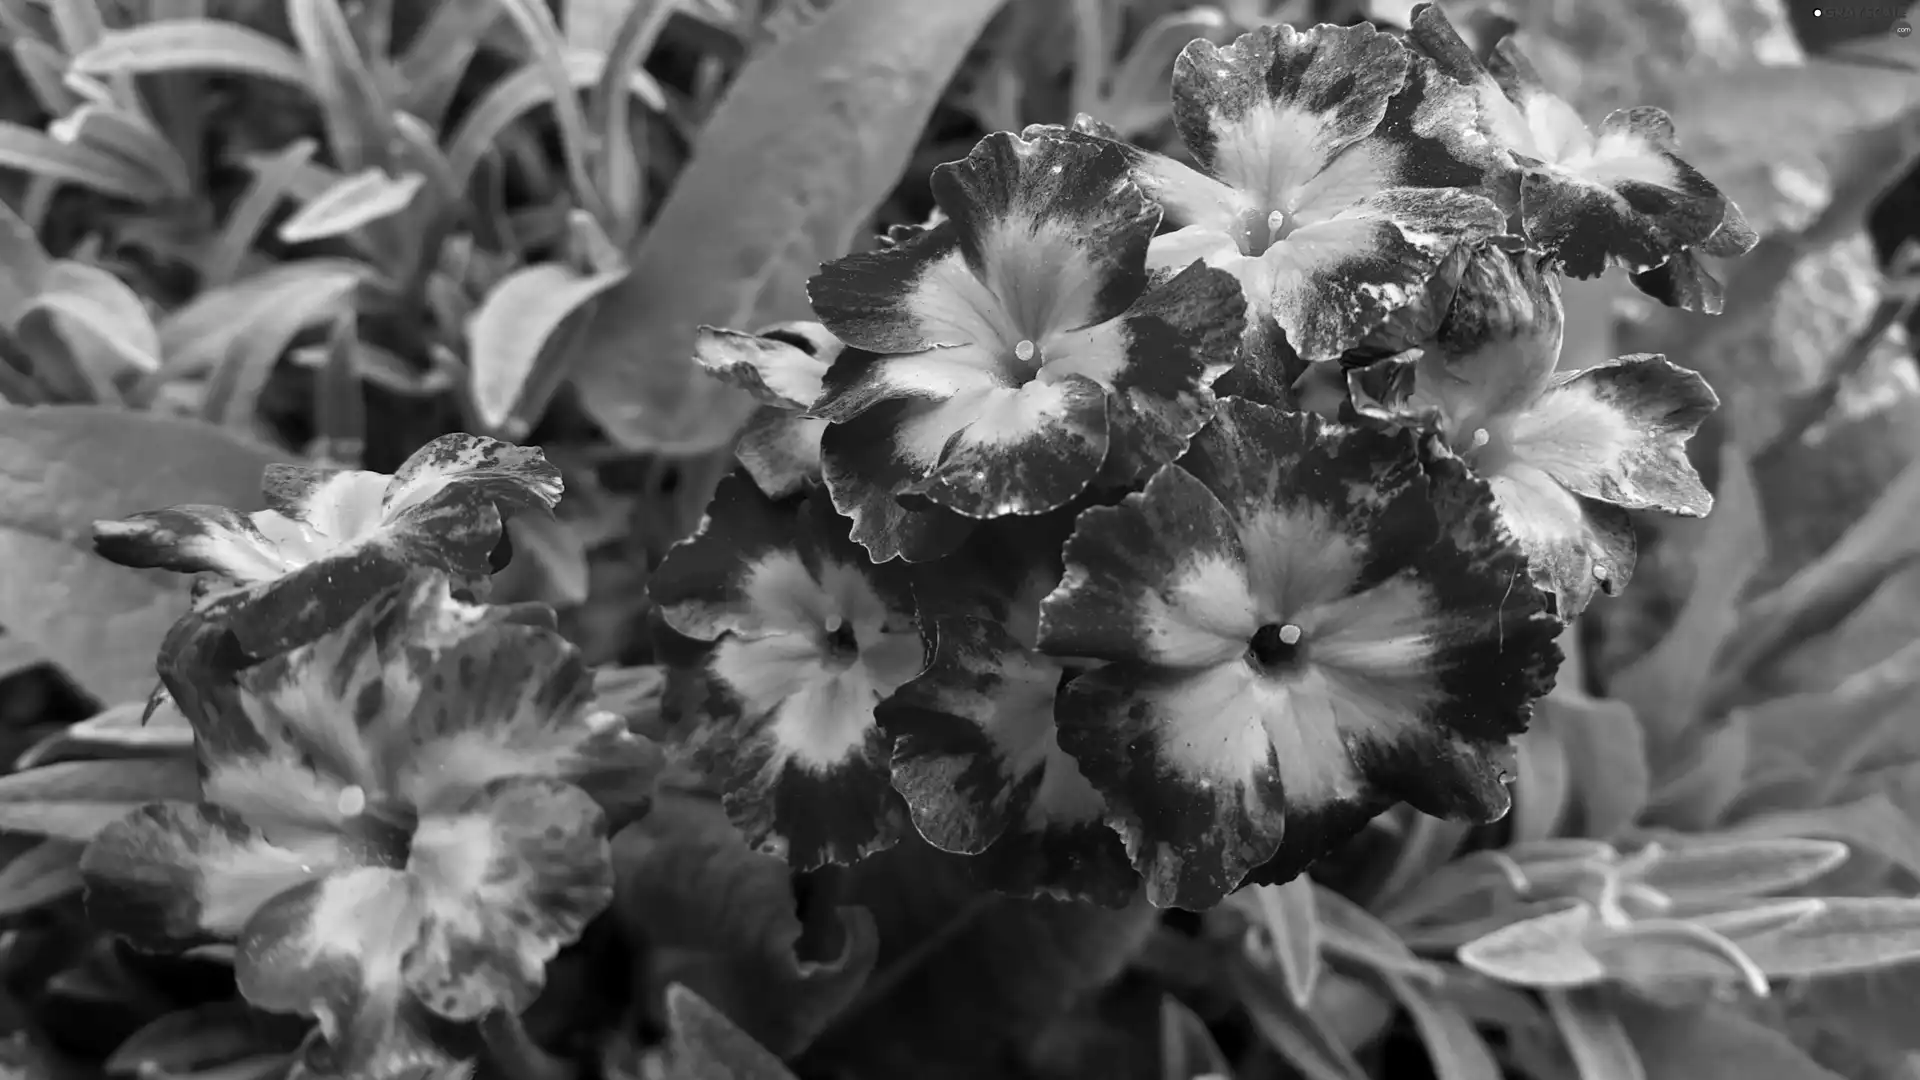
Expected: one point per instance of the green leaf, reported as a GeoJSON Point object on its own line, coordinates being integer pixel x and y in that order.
{"type": "Point", "coordinates": [1351, 932]}
{"type": "Point", "coordinates": [1871, 1008]}
{"type": "Point", "coordinates": [1871, 824]}
{"type": "Point", "coordinates": [1847, 934]}
{"type": "Point", "coordinates": [1454, 1046]}
{"type": "Point", "coordinates": [357, 118]}
{"type": "Point", "coordinates": [1814, 600]}
{"type": "Point", "coordinates": [1711, 1042]}
{"type": "Point", "coordinates": [1609, 779]}
{"type": "Point", "coordinates": [1597, 1041]}
{"type": "Point", "coordinates": [130, 136]}
{"type": "Point", "coordinates": [366, 196]}
{"type": "Point", "coordinates": [1187, 1048]}
{"type": "Point", "coordinates": [1541, 782]}
{"type": "Point", "coordinates": [621, 170]}
{"type": "Point", "coordinates": [1871, 716]}
{"type": "Point", "coordinates": [510, 337]}
{"type": "Point", "coordinates": [193, 44]}
{"type": "Point", "coordinates": [273, 180]}
{"type": "Point", "coordinates": [48, 871]}
{"type": "Point", "coordinates": [535, 22]}
{"type": "Point", "coordinates": [1547, 950]}
{"type": "Point", "coordinates": [704, 1045]}
{"type": "Point", "coordinates": [812, 136]}
{"type": "Point", "coordinates": [118, 728]}
{"type": "Point", "coordinates": [1708, 776]}
{"type": "Point", "coordinates": [87, 322]}
{"type": "Point", "coordinates": [1287, 912]}
{"type": "Point", "coordinates": [438, 56]}
{"type": "Point", "coordinates": [36, 152]}
{"type": "Point", "coordinates": [74, 800]}
{"type": "Point", "coordinates": [1667, 687]}
{"type": "Point", "coordinates": [61, 469]}
{"type": "Point", "coordinates": [23, 265]}
{"type": "Point", "coordinates": [190, 1040]}
{"type": "Point", "coordinates": [722, 919]}
{"type": "Point", "coordinates": [44, 69]}
{"type": "Point", "coordinates": [509, 99]}
{"type": "Point", "coordinates": [1296, 1033]}
{"type": "Point", "coordinates": [1723, 867]}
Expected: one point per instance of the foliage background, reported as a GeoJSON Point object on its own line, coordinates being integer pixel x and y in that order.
{"type": "Point", "coordinates": [219, 249]}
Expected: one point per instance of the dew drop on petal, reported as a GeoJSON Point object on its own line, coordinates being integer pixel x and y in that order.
{"type": "Point", "coordinates": [1025, 351]}
{"type": "Point", "coordinates": [353, 801]}
{"type": "Point", "coordinates": [1290, 634]}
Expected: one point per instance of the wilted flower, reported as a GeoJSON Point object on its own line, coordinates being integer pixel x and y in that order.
{"type": "Point", "coordinates": [1304, 626]}
{"type": "Point", "coordinates": [1619, 195]}
{"type": "Point", "coordinates": [809, 637]}
{"type": "Point", "coordinates": [782, 367]}
{"type": "Point", "coordinates": [392, 814]}
{"type": "Point", "coordinates": [332, 538]}
{"type": "Point", "coordinates": [1333, 178]}
{"type": "Point", "coordinates": [1566, 456]}
{"type": "Point", "coordinates": [976, 754]}
{"type": "Point", "coordinates": [999, 361]}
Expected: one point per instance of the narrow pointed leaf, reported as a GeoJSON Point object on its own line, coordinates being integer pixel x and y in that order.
{"type": "Point", "coordinates": [1294, 928]}
{"type": "Point", "coordinates": [365, 196]}
{"type": "Point", "coordinates": [510, 334]}
{"type": "Point", "coordinates": [1454, 1046]}
{"type": "Point", "coordinates": [1594, 1036]}
{"type": "Point", "coordinates": [193, 45]}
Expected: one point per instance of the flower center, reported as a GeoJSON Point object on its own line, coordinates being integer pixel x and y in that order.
{"type": "Point", "coordinates": [842, 647]}
{"type": "Point", "coordinates": [1276, 647]}
{"type": "Point", "coordinates": [1261, 229]}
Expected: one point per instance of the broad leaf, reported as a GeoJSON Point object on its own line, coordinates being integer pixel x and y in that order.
{"type": "Point", "coordinates": [510, 336]}
{"type": "Point", "coordinates": [704, 1045]}
{"type": "Point", "coordinates": [1597, 1041]}
{"type": "Point", "coordinates": [250, 325]}
{"type": "Point", "coordinates": [1712, 1042]}
{"type": "Point", "coordinates": [40, 875]}
{"type": "Point", "coordinates": [1871, 718]}
{"type": "Point", "coordinates": [75, 800]}
{"type": "Point", "coordinates": [89, 324]}
{"type": "Point", "coordinates": [366, 196]}
{"type": "Point", "coordinates": [63, 468]}
{"type": "Point", "coordinates": [1541, 783]}
{"type": "Point", "coordinates": [1609, 780]}
{"type": "Point", "coordinates": [1717, 868]}
{"type": "Point", "coordinates": [1705, 777]}
{"type": "Point", "coordinates": [1547, 950]}
{"type": "Point", "coordinates": [811, 137]}
{"type": "Point", "coordinates": [1668, 687]}
{"type": "Point", "coordinates": [1873, 825]}
{"type": "Point", "coordinates": [1847, 934]}
{"type": "Point", "coordinates": [193, 44]}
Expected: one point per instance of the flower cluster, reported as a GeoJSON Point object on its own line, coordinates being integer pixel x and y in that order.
{"type": "Point", "coordinates": [406, 794]}
{"type": "Point", "coordinates": [1137, 524]}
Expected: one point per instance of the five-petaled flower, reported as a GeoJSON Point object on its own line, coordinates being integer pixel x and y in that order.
{"type": "Point", "coordinates": [392, 818]}
{"type": "Point", "coordinates": [1336, 172]}
{"type": "Point", "coordinates": [1002, 360]}
{"type": "Point", "coordinates": [1303, 625]}
{"type": "Point", "coordinates": [1566, 455]}
{"type": "Point", "coordinates": [330, 539]}
{"type": "Point", "coordinates": [808, 637]}
{"type": "Point", "coordinates": [1621, 195]}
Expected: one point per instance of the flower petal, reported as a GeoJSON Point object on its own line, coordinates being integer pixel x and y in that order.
{"type": "Point", "coordinates": [192, 540]}
{"type": "Point", "coordinates": [781, 365]}
{"type": "Point", "coordinates": [978, 763]}
{"type": "Point", "coordinates": [1629, 200]}
{"type": "Point", "coordinates": [175, 875]}
{"type": "Point", "coordinates": [506, 880]}
{"type": "Point", "coordinates": [332, 949]}
{"type": "Point", "coordinates": [1422, 648]}
{"type": "Point", "coordinates": [1335, 281]}
{"type": "Point", "coordinates": [1021, 451]}
{"type": "Point", "coordinates": [1042, 236]}
{"type": "Point", "coordinates": [820, 636]}
{"type": "Point", "coordinates": [1618, 432]}
{"type": "Point", "coordinates": [1272, 110]}
{"type": "Point", "coordinates": [1574, 545]}
{"type": "Point", "coordinates": [1158, 580]}
{"type": "Point", "coordinates": [781, 451]}
{"type": "Point", "coordinates": [501, 473]}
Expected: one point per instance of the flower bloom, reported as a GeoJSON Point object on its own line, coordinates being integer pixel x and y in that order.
{"type": "Point", "coordinates": [1304, 626]}
{"type": "Point", "coordinates": [808, 637]}
{"type": "Point", "coordinates": [976, 752]}
{"type": "Point", "coordinates": [1589, 199]}
{"type": "Point", "coordinates": [332, 538]}
{"type": "Point", "coordinates": [782, 366]}
{"type": "Point", "coordinates": [1001, 360]}
{"type": "Point", "coordinates": [392, 817]}
{"type": "Point", "coordinates": [1565, 455]}
{"type": "Point", "coordinates": [1334, 177]}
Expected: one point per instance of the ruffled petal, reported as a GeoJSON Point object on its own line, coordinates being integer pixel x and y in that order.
{"type": "Point", "coordinates": [505, 881]}
{"type": "Point", "coordinates": [1274, 109]}
{"type": "Point", "coordinates": [1042, 236]}
{"type": "Point", "coordinates": [1617, 433]}
{"type": "Point", "coordinates": [176, 875]}
{"type": "Point", "coordinates": [982, 772]}
{"type": "Point", "coordinates": [781, 451]}
{"type": "Point", "coordinates": [333, 949]}
{"type": "Point", "coordinates": [498, 472]}
{"type": "Point", "coordinates": [193, 540]}
{"type": "Point", "coordinates": [1573, 545]}
{"type": "Point", "coordinates": [814, 637]}
{"type": "Point", "coordinates": [1334, 282]}
{"type": "Point", "coordinates": [1373, 637]}
{"type": "Point", "coordinates": [781, 365]}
